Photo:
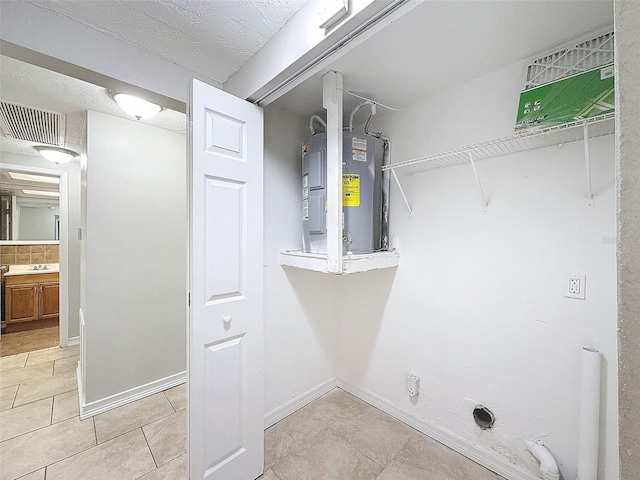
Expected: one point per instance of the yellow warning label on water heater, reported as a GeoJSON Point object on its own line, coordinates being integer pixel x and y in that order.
{"type": "Point", "coordinates": [350, 190]}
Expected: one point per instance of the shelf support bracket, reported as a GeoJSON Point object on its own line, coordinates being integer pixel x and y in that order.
{"type": "Point", "coordinates": [404, 197]}
{"type": "Point", "coordinates": [475, 172]}
{"type": "Point", "coordinates": [587, 162]}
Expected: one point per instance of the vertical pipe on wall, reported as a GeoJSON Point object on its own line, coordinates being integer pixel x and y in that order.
{"type": "Point", "coordinates": [588, 440]}
{"type": "Point", "coordinates": [386, 184]}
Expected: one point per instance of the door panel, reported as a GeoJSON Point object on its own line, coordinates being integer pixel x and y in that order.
{"type": "Point", "coordinates": [223, 364]}
{"type": "Point", "coordinates": [226, 413]}
{"type": "Point", "coordinates": [22, 303]}
{"type": "Point", "coordinates": [49, 300]}
{"type": "Point", "coordinates": [225, 205]}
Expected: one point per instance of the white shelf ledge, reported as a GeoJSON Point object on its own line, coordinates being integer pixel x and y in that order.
{"type": "Point", "coordinates": [351, 263]}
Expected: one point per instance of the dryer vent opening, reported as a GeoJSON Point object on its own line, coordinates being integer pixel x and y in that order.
{"type": "Point", "coordinates": [483, 417]}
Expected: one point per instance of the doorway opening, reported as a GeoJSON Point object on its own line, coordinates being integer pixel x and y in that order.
{"type": "Point", "coordinates": [35, 274]}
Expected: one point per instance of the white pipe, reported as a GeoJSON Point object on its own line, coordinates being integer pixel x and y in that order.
{"type": "Point", "coordinates": [588, 440]}
{"type": "Point", "coordinates": [548, 464]}
{"type": "Point", "coordinates": [319, 118]}
{"type": "Point", "coordinates": [355, 110]}
{"type": "Point", "coordinates": [386, 187]}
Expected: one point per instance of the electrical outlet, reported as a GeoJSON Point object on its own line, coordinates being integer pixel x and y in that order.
{"type": "Point", "coordinates": [576, 286]}
{"type": "Point", "coordinates": [413, 385]}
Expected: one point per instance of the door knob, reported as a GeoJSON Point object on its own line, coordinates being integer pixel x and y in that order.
{"type": "Point", "coordinates": [226, 319]}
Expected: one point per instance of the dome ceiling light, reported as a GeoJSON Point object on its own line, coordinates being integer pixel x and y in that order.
{"type": "Point", "coordinates": [136, 106]}
{"type": "Point", "coordinates": [56, 155]}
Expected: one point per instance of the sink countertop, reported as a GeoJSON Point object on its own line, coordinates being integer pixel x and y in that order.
{"type": "Point", "coordinates": [28, 269]}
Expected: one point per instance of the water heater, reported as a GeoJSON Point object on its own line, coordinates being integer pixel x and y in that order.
{"type": "Point", "coordinates": [361, 186]}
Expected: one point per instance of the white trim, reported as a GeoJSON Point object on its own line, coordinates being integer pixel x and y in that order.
{"type": "Point", "coordinates": [461, 445]}
{"type": "Point", "coordinates": [82, 360]}
{"type": "Point", "coordinates": [73, 341]}
{"type": "Point", "coordinates": [277, 414]}
{"type": "Point", "coordinates": [63, 242]}
{"type": "Point", "coordinates": [80, 386]}
{"type": "Point", "coordinates": [351, 263]}
{"type": "Point", "coordinates": [28, 242]}
{"type": "Point", "coordinates": [103, 405]}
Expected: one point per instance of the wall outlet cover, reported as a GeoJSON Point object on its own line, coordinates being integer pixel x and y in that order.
{"type": "Point", "coordinates": [575, 286]}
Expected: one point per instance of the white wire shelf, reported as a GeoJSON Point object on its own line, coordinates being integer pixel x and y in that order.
{"type": "Point", "coordinates": [557, 135]}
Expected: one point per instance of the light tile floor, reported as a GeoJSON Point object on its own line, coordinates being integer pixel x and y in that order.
{"type": "Point", "coordinates": [28, 341]}
{"type": "Point", "coordinates": [337, 437]}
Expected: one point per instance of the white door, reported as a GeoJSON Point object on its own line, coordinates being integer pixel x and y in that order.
{"type": "Point", "coordinates": [226, 416]}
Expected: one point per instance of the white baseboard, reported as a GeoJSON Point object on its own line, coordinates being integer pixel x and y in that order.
{"type": "Point", "coordinates": [472, 451]}
{"type": "Point", "coordinates": [100, 406]}
{"type": "Point", "coordinates": [80, 388]}
{"type": "Point", "coordinates": [277, 414]}
{"type": "Point", "coordinates": [73, 341]}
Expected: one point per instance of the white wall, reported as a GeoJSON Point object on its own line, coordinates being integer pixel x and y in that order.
{"type": "Point", "coordinates": [300, 309]}
{"type": "Point", "coordinates": [134, 301]}
{"type": "Point", "coordinates": [73, 256]}
{"type": "Point", "coordinates": [476, 307]}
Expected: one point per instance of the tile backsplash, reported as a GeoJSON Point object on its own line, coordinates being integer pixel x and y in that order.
{"type": "Point", "coordinates": [29, 254]}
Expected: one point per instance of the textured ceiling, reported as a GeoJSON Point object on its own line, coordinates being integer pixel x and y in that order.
{"type": "Point", "coordinates": [211, 37]}
{"type": "Point", "coordinates": [41, 88]}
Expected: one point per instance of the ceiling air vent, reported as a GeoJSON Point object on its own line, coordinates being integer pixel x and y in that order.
{"type": "Point", "coordinates": [32, 124]}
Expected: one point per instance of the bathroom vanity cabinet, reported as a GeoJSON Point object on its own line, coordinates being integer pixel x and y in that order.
{"type": "Point", "coordinates": [32, 301]}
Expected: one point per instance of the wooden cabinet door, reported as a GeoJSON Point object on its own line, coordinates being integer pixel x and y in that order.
{"type": "Point", "coordinates": [49, 300]}
{"type": "Point", "coordinates": [22, 302]}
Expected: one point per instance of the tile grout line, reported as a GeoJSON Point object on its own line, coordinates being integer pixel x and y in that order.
{"type": "Point", "coordinates": [169, 400]}
{"type": "Point", "coordinates": [394, 457]}
{"type": "Point", "coordinates": [95, 430]}
{"type": "Point", "coordinates": [53, 402]}
{"type": "Point", "coordinates": [15, 396]}
{"type": "Point", "coordinates": [149, 447]}
{"type": "Point", "coordinates": [139, 426]}
{"type": "Point", "coordinates": [30, 431]}
{"type": "Point", "coordinates": [46, 467]}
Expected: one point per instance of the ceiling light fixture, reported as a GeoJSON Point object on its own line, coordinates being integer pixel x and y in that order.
{"type": "Point", "coordinates": [27, 177]}
{"type": "Point", "coordinates": [41, 193]}
{"type": "Point", "coordinates": [56, 154]}
{"type": "Point", "coordinates": [136, 106]}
